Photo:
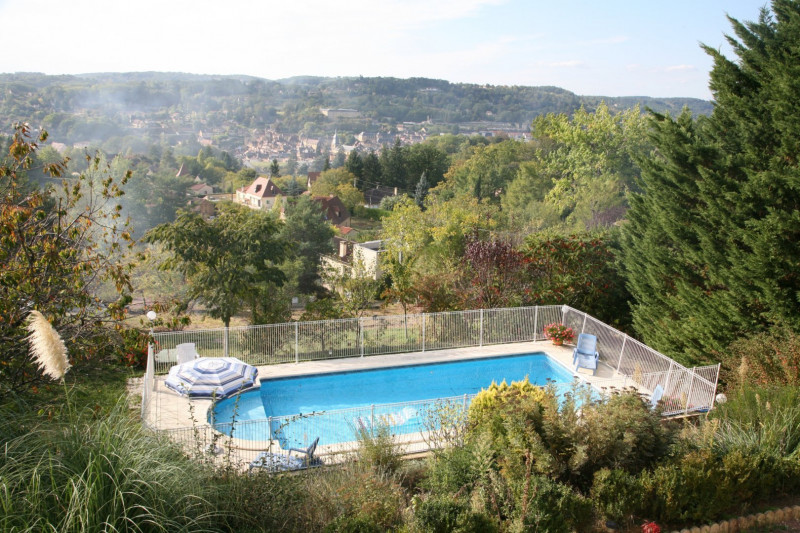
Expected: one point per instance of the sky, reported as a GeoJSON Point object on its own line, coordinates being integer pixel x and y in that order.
{"type": "Point", "coordinates": [608, 48]}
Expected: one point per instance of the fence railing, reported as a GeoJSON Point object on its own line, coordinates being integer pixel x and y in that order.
{"type": "Point", "coordinates": [358, 337]}
{"type": "Point", "coordinates": [685, 390]}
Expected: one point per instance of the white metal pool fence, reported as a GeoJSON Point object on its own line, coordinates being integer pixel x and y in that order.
{"type": "Point", "coordinates": [685, 390]}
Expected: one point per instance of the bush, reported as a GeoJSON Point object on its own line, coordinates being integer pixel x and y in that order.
{"type": "Point", "coordinates": [555, 508]}
{"type": "Point", "coordinates": [768, 358]}
{"type": "Point", "coordinates": [445, 514]}
{"type": "Point", "coordinates": [263, 502]}
{"type": "Point", "coordinates": [81, 473]}
{"type": "Point", "coordinates": [378, 450]}
{"type": "Point", "coordinates": [451, 470]}
{"type": "Point", "coordinates": [690, 489]}
{"type": "Point", "coordinates": [622, 432]}
{"type": "Point", "coordinates": [352, 491]}
{"type": "Point", "coordinates": [617, 495]}
{"type": "Point", "coordinates": [759, 420]}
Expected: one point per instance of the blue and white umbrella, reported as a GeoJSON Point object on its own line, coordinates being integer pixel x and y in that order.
{"type": "Point", "coordinates": [208, 377]}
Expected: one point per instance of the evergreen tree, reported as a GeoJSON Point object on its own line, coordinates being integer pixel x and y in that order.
{"type": "Point", "coordinates": [371, 172]}
{"type": "Point", "coordinates": [355, 165]}
{"type": "Point", "coordinates": [712, 245]}
{"type": "Point", "coordinates": [421, 191]}
{"type": "Point", "coordinates": [274, 169]}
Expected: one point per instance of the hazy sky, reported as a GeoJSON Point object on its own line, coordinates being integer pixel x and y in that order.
{"type": "Point", "coordinates": [608, 47]}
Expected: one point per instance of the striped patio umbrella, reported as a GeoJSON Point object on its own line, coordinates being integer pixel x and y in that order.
{"type": "Point", "coordinates": [208, 377]}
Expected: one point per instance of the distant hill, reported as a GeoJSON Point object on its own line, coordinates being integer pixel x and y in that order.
{"type": "Point", "coordinates": [102, 105]}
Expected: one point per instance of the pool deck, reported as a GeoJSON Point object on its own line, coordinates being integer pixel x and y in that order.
{"type": "Point", "coordinates": [171, 411]}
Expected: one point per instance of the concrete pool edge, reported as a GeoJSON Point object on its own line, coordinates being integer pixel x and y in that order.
{"type": "Point", "coordinates": [177, 413]}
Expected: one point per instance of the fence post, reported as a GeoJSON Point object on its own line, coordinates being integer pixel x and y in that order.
{"type": "Point", "coordinates": [296, 342]}
{"type": "Point", "coordinates": [372, 420]}
{"type": "Point", "coordinates": [480, 340]}
{"type": "Point", "coordinates": [361, 335]}
{"type": "Point", "coordinates": [689, 394]}
{"type": "Point", "coordinates": [465, 403]}
{"type": "Point", "coordinates": [564, 314]}
{"type": "Point", "coordinates": [583, 326]}
{"type": "Point", "coordinates": [424, 316]}
{"type": "Point", "coordinates": [621, 352]}
{"type": "Point", "coordinates": [669, 376]}
{"type": "Point", "coordinates": [536, 323]}
{"type": "Point", "coordinates": [225, 348]}
{"type": "Point", "coordinates": [269, 432]}
{"type": "Point", "coordinates": [714, 392]}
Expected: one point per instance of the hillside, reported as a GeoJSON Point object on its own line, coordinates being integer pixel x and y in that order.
{"type": "Point", "coordinates": [150, 106]}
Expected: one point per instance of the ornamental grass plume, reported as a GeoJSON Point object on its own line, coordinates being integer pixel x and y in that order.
{"type": "Point", "coordinates": [47, 348]}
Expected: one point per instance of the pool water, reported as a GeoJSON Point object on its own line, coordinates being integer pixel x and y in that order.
{"type": "Point", "coordinates": [363, 398]}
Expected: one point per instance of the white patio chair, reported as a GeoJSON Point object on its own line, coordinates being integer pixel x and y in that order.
{"type": "Point", "coordinates": [186, 352]}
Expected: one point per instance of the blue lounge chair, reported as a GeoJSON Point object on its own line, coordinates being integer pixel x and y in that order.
{"type": "Point", "coordinates": [658, 392]}
{"type": "Point", "coordinates": [585, 353]}
{"type": "Point", "coordinates": [280, 462]}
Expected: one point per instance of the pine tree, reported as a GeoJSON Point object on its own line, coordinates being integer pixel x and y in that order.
{"type": "Point", "coordinates": [712, 246]}
{"type": "Point", "coordinates": [421, 191]}
{"type": "Point", "coordinates": [274, 169]}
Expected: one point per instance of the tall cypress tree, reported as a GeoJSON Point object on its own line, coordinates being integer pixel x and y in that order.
{"type": "Point", "coordinates": [712, 246]}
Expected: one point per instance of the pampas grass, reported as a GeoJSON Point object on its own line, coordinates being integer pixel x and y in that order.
{"type": "Point", "coordinates": [47, 348]}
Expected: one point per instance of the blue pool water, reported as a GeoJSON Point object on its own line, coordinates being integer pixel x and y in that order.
{"type": "Point", "coordinates": [358, 391]}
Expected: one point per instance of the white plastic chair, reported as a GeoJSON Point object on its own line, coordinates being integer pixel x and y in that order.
{"type": "Point", "coordinates": [186, 352]}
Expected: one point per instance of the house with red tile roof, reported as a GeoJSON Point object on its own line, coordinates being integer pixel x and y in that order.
{"type": "Point", "coordinates": [261, 194]}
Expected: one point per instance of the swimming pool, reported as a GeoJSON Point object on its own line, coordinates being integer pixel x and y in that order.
{"type": "Point", "coordinates": [343, 401]}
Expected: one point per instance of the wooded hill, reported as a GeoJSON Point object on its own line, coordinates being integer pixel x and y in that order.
{"type": "Point", "coordinates": [94, 107]}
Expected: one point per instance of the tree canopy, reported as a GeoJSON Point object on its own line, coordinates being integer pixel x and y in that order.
{"type": "Point", "coordinates": [712, 245]}
{"type": "Point", "coordinates": [228, 261]}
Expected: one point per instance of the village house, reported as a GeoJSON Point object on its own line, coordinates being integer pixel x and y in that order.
{"type": "Point", "coordinates": [200, 190]}
{"type": "Point", "coordinates": [261, 194]}
{"type": "Point", "coordinates": [335, 211]}
{"type": "Point", "coordinates": [360, 259]}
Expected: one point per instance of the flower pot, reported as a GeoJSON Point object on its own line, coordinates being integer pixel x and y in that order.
{"type": "Point", "coordinates": [558, 342]}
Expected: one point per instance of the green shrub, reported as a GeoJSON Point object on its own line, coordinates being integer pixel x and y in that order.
{"type": "Point", "coordinates": [378, 449]}
{"type": "Point", "coordinates": [554, 508]}
{"type": "Point", "coordinates": [759, 420]}
{"type": "Point", "coordinates": [768, 358]}
{"type": "Point", "coordinates": [618, 495]}
{"type": "Point", "coordinates": [619, 433]}
{"type": "Point", "coordinates": [353, 524]}
{"type": "Point", "coordinates": [446, 514]}
{"type": "Point", "coordinates": [262, 502]}
{"type": "Point", "coordinates": [77, 472]}
{"type": "Point", "coordinates": [690, 489]}
{"type": "Point", "coordinates": [451, 470]}
{"type": "Point", "coordinates": [353, 490]}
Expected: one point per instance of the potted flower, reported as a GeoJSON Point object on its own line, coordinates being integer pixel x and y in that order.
{"type": "Point", "coordinates": [558, 333]}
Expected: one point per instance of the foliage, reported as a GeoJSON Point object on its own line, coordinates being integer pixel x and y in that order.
{"type": "Point", "coordinates": [262, 502]}
{"type": "Point", "coordinates": [759, 420]}
{"type": "Point", "coordinates": [338, 182]}
{"type": "Point", "coordinates": [557, 332]}
{"type": "Point", "coordinates": [444, 514]}
{"type": "Point", "coordinates": [618, 495]}
{"type": "Point", "coordinates": [78, 472]}
{"type": "Point", "coordinates": [767, 358]}
{"type": "Point", "coordinates": [488, 401]}
{"type": "Point", "coordinates": [554, 507]}
{"type": "Point", "coordinates": [712, 242]}
{"type": "Point", "coordinates": [57, 246]}
{"type": "Point", "coordinates": [378, 450]}
{"type": "Point", "coordinates": [352, 498]}
{"type": "Point", "coordinates": [311, 236]}
{"type": "Point", "coordinates": [579, 270]}
{"type": "Point", "coordinates": [353, 286]}
{"type": "Point", "coordinates": [227, 261]}
{"type": "Point", "coordinates": [497, 275]}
